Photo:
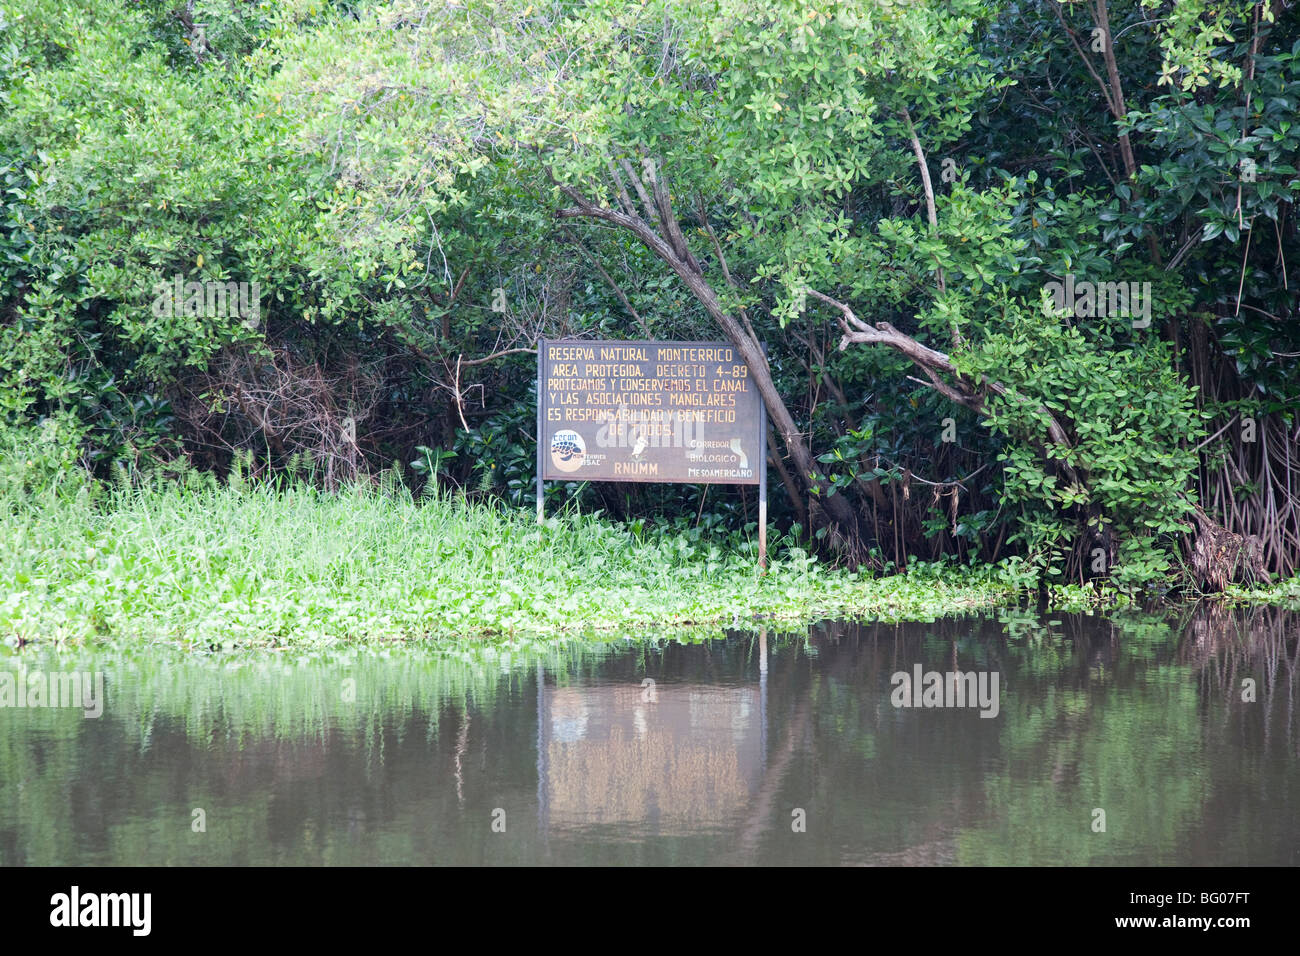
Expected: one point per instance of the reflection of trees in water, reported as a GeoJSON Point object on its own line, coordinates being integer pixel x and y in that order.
{"type": "Point", "coordinates": [1260, 740]}
{"type": "Point", "coordinates": [1262, 644]}
{"type": "Point", "coordinates": [1110, 712]}
{"type": "Point", "coordinates": [862, 770]}
{"type": "Point", "coordinates": [1137, 713]}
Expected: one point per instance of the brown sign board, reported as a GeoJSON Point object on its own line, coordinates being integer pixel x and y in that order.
{"type": "Point", "coordinates": [648, 411]}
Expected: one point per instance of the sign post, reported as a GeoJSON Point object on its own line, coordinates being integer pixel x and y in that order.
{"type": "Point", "coordinates": [541, 353]}
{"type": "Point", "coordinates": [685, 412]}
{"type": "Point", "coordinates": [762, 487]}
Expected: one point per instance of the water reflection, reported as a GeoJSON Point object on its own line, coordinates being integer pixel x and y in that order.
{"type": "Point", "coordinates": [770, 748]}
{"type": "Point", "coordinates": [647, 761]}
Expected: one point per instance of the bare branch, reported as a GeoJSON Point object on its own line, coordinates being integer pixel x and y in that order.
{"type": "Point", "coordinates": [460, 361]}
{"type": "Point", "coordinates": [929, 202]}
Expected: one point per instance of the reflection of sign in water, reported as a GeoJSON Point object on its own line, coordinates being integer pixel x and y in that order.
{"type": "Point", "coordinates": [649, 411]}
{"type": "Point", "coordinates": [693, 756]}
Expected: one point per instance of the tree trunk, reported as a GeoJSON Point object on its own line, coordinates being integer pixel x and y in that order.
{"type": "Point", "coordinates": [672, 250]}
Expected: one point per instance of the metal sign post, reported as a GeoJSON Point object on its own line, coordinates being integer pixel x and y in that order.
{"type": "Point", "coordinates": [762, 487]}
{"type": "Point", "coordinates": [541, 352]}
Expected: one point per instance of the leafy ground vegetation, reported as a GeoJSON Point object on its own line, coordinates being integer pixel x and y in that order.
{"type": "Point", "coordinates": [193, 563]}
{"type": "Point", "coordinates": [1024, 273]}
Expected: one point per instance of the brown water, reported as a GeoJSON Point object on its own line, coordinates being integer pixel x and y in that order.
{"type": "Point", "coordinates": [752, 748]}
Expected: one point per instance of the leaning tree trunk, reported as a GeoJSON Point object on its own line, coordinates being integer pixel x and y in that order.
{"type": "Point", "coordinates": [669, 244]}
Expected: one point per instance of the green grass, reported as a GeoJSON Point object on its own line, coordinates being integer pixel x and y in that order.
{"type": "Point", "coordinates": [233, 566]}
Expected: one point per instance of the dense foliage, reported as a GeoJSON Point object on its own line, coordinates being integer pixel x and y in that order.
{"type": "Point", "coordinates": [900, 200]}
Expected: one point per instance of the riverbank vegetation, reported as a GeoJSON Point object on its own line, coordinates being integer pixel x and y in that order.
{"type": "Point", "coordinates": [198, 564]}
{"type": "Point", "coordinates": [1024, 273]}
{"type": "Point", "coordinates": [189, 562]}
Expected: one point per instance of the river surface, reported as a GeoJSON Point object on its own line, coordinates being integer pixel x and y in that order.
{"type": "Point", "coordinates": [1132, 738]}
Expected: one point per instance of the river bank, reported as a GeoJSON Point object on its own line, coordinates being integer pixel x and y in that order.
{"type": "Point", "coordinates": [262, 566]}
{"type": "Point", "coordinates": [244, 566]}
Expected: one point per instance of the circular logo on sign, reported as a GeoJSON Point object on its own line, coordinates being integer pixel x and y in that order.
{"type": "Point", "coordinates": [567, 450]}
